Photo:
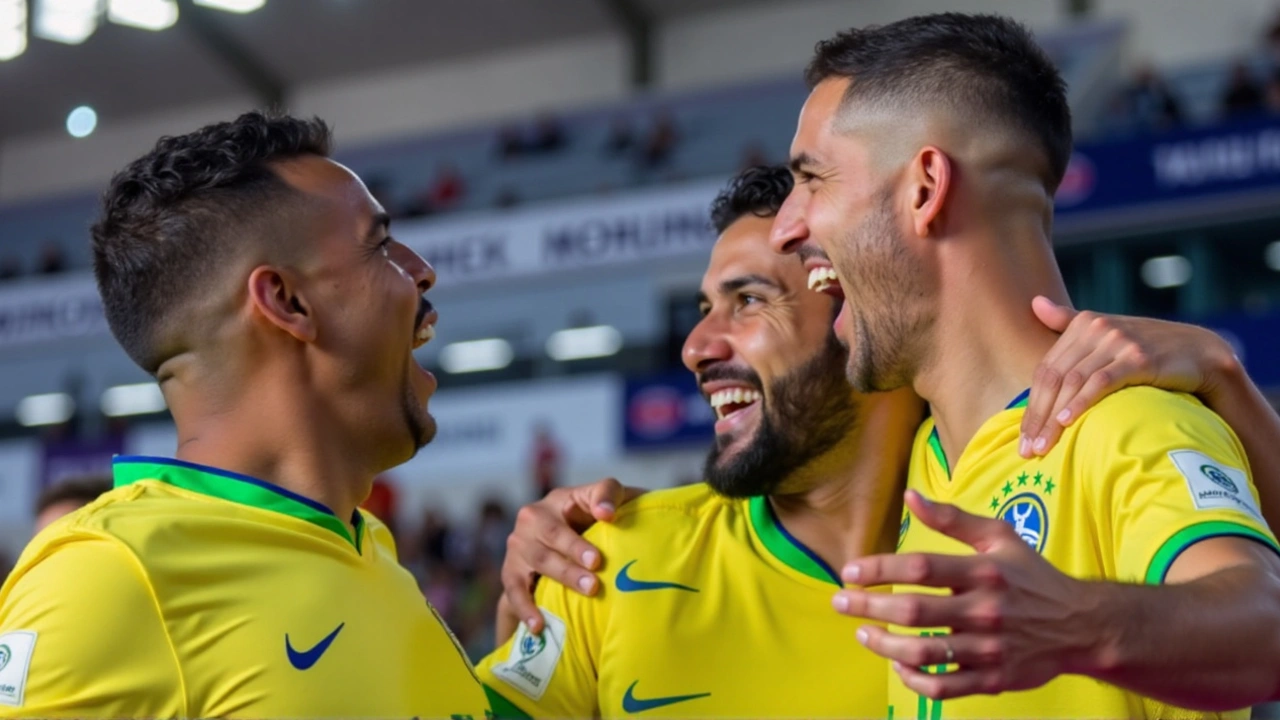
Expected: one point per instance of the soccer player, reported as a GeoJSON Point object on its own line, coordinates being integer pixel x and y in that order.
{"type": "Point", "coordinates": [926, 159]}
{"type": "Point", "coordinates": [257, 281]}
{"type": "Point", "coordinates": [695, 620]}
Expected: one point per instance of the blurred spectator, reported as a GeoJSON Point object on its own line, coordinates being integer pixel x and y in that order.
{"type": "Point", "coordinates": [1273, 91]}
{"type": "Point", "coordinates": [491, 534]}
{"type": "Point", "coordinates": [1243, 96]}
{"type": "Point", "coordinates": [447, 190]}
{"type": "Point", "coordinates": [435, 544]}
{"type": "Point", "coordinates": [661, 142]}
{"type": "Point", "coordinates": [1150, 104]}
{"type": "Point", "coordinates": [546, 461]}
{"type": "Point", "coordinates": [506, 199]}
{"type": "Point", "coordinates": [621, 136]}
{"type": "Point", "coordinates": [67, 496]}
{"type": "Point", "coordinates": [52, 260]}
{"type": "Point", "coordinates": [10, 267]}
{"type": "Point", "coordinates": [382, 502]}
{"type": "Point", "coordinates": [510, 142]}
{"type": "Point", "coordinates": [548, 134]}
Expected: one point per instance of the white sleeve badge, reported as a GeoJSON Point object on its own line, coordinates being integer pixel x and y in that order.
{"type": "Point", "coordinates": [15, 659]}
{"type": "Point", "coordinates": [533, 658]}
{"type": "Point", "coordinates": [1215, 486]}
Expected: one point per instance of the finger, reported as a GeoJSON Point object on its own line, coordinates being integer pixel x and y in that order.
{"type": "Point", "coordinates": [551, 563]}
{"type": "Point", "coordinates": [1054, 316]}
{"type": "Point", "coordinates": [601, 499]}
{"type": "Point", "coordinates": [517, 588]}
{"type": "Point", "coordinates": [931, 570]}
{"type": "Point", "coordinates": [1101, 383]}
{"type": "Point", "coordinates": [904, 609]}
{"type": "Point", "coordinates": [506, 622]}
{"type": "Point", "coordinates": [929, 650]}
{"type": "Point", "coordinates": [1095, 372]}
{"type": "Point", "coordinates": [941, 686]}
{"type": "Point", "coordinates": [1053, 377]}
{"type": "Point", "coordinates": [980, 533]}
{"type": "Point", "coordinates": [537, 528]}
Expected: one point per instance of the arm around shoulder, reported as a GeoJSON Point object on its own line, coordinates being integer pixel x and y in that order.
{"type": "Point", "coordinates": [81, 635]}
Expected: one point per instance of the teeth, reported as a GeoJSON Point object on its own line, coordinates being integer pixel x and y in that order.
{"type": "Point", "coordinates": [820, 278]}
{"type": "Point", "coordinates": [426, 333]}
{"type": "Point", "coordinates": [735, 396]}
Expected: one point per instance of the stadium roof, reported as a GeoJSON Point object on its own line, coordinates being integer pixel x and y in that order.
{"type": "Point", "coordinates": [210, 55]}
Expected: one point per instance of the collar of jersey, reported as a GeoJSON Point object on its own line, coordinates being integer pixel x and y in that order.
{"type": "Point", "coordinates": [935, 443]}
{"type": "Point", "coordinates": [786, 547]}
{"type": "Point", "coordinates": [233, 487]}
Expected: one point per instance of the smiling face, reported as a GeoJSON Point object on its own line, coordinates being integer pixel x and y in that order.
{"type": "Point", "coordinates": [842, 214]}
{"type": "Point", "coordinates": [767, 360]}
{"type": "Point", "coordinates": [367, 291]}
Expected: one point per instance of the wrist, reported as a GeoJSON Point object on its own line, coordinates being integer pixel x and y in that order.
{"type": "Point", "coordinates": [1224, 373]}
{"type": "Point", "coordinates": [1095, 632]}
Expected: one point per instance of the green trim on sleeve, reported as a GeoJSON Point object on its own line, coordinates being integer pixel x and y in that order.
{"type": "Point", "coordinates": [504, 709]}
{"type": "Point", "coordinates": [1188, 536]}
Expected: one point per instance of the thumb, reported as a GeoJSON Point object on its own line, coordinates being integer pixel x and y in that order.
{"type": "Point", "coordinates": [1054, 316]}
{"type": "Point", "coordinates": [603, 498]}
{"type": "Point", "coordinates": [978, 532]}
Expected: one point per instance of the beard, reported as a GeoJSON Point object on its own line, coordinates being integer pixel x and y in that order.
{"type": "Point", "coordinates": [885, 299]}
{"type": "Point", "coordinates": [418, 423]}
{"type": "Point", "coordinates": [807, 412]}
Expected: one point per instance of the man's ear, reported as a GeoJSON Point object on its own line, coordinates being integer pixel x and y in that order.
{"type": "Point", "coordinates": [930, 175]}
{"type": "Point", "coordinates": [276, 296]}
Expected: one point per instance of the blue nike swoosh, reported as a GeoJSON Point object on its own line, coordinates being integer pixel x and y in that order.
{"type": "Point", "coordinates": [625, 583]}
{"type": "Point", "coordinates": [631, 704]}
{"type": "Point", "coordinates": [304, 660]}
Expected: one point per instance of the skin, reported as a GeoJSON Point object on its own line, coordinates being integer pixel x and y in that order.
{"type": "Point", "coordinates": [306, 375]}
{"type": "Point", "coordinates": [938, 228]}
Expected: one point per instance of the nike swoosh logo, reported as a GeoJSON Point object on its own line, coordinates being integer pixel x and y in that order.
{"type": "Point", "coordinates": [303, 660]}
{"type": "Point", "coordinates": [625, 583]}
{"type": "Point", "coordinates": [632, 704]}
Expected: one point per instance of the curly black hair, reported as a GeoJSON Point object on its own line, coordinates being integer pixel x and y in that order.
{"type": "Point", "coordinates": [984, 68]}
{"type": "Point", "coordinates": [758, 191]}
{"type": "Point", "coordinates": [174, 216]}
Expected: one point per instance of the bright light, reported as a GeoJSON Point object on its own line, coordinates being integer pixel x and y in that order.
{"type": "Point", "coordinates": [144, 14]}
{"type": "Point", "coordinates": [13, 28]}
{"type": "Point", "coordinates": [137, 399]}
{"type": "Point", "coordinates": [82, 121]}
{"type": "Point", "coordinates": [235, 6]}
{"type": "Point", "coordinates": [47, 409]}
{"type": "Point", "coordinates": [476, 355]}
{"type": "Point", "coordinates": [586, 342]}
{"type": "Point", "coordinates": [1167, 271]}
{"type": "Point", "coordinates": [66, 21]}
{"type": "Point", "coordinates": [1273, 256]}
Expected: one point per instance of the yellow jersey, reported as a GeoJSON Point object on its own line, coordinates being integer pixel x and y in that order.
{"type": "Point", "coordinates": [189, 591]}
{"type": "Point", "coordinates": [708, 607]}
{"type": "Point", "coordinates": [1131, 484]}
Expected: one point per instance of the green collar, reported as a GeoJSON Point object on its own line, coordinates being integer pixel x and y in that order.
{"type": "Point", "coordinates": [935, 443]}
{"type": "Point", "coordinates": [785, 546]}
{"type": "Point", "coordinates": [233, 487]}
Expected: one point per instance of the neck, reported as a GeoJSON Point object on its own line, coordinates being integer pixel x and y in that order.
{"type": "Point", "coordinates": [846, 505]}
{"type": "Point", "coordinates": [271, 431]}
{"type": "Point", "coordinates": [987, 342]}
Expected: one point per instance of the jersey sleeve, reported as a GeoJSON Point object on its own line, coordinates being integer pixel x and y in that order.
{"type": "Point", "coordinates": [1167, 473]}
{"type": "Point", "coordinates": [554, 675]}
{"type": "Point", "coordinates": [81, 635]}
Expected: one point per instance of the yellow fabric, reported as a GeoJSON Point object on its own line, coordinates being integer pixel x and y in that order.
{"type": "Point", "coordinates": [758, 638]}
{"type": "Point", "coordinates": [1108, 502]}
{"type": "Point", "coordinates": [157, 601]}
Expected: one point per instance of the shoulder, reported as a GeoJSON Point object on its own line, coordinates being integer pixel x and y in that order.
{"type": "Point", "coordinates": [70, 576]}
{"type": "Point", "coordinates": [660, 511]}
{"type": "Point", "coordinates": [1139, 416]}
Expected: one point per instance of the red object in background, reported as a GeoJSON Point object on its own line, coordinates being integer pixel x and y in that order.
{"type": "Point", "coordinates": [546, 461]}
{"type": "Point", "coordinates": [382, 501]}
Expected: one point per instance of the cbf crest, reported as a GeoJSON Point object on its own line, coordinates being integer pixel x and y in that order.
{"type": "Point", "coordinates": [1027, 514]}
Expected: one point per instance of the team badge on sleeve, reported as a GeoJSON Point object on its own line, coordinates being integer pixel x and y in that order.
{"type": "Point", "coordinates": [1215, 486]}
{"type": "Point", "coordinates": [15, 659]}
{"type": "Point", "coordinates": [533, 658]}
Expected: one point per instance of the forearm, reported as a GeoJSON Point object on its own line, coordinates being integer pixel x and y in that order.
{"type": "Point", "coordinates": [1239, 402]}
{"type": "Point", "coordinates": [1210, 644]}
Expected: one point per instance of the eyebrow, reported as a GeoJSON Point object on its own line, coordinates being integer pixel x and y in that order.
{"type": "Point", "coordinates": [800, 161]}
{"type": "Point", "coordinates": [381, 221]}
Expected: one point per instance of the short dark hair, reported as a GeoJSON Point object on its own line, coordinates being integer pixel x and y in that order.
{"type": "Point", "coordinates": [986, 64]}
{"type": "Point", "coordinates": [174, 215]}
{"type": "Point", "coordinates": [83, 489]}
{"type": "Point", "coordinates": [758, 191]}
